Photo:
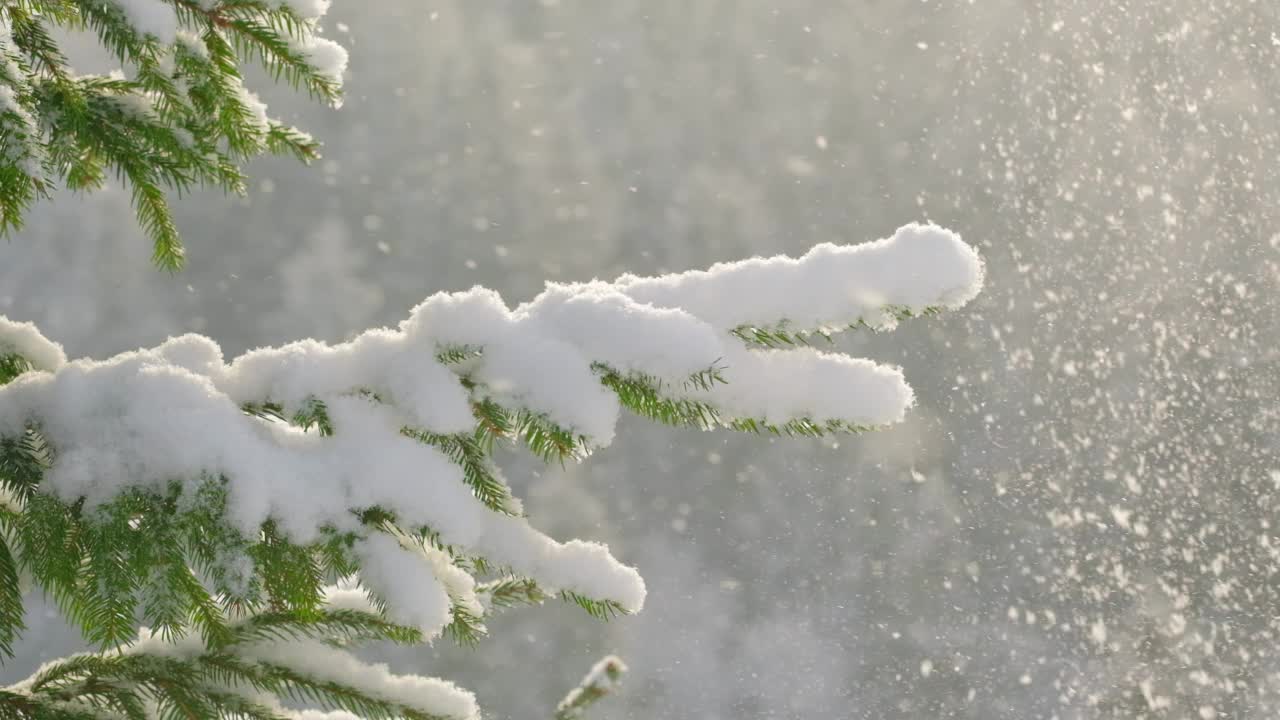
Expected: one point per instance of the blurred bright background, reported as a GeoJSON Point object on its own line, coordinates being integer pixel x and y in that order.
{"type": "Point", "coordinates": [1079, 518]}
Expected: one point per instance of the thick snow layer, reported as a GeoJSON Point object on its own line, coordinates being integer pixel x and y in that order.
{"type": "Point", "coordinates": [608, 326]}
{"type": "Point", "coordinates": [327, 57]}
{"type": "Point", "coordinates": [920, 266]}
{"type": "Point", "coordinates": [459, 585]}
{"type": "Point", "coordinates": [348, 596]}
{"type": "Point", "coordinates": [522, 364]}
{"type": "Point", "coordinates": [318, 660]}
{"type": "Point", "coordinates": [407, 584]}
{"type": "Point", "coordinates": [24, 339]}
{"type": "Point", "coordinates": [151, 17]}
{"type": "Point", "coordinates": [398, 365]}
{"type": "Point", "coordinates": [174, 411]}
{"type": "Point", "coordinates": [782, 385]}
{"type": "Point", "coordinates": [193, 43]}
{"type": "Point", "coordinates": [307, 9]}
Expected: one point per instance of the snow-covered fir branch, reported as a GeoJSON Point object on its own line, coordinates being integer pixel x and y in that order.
{"type": "Point", "coordinates": [191, 491]}
{"type": "Point", "coordinates": [175, 115]}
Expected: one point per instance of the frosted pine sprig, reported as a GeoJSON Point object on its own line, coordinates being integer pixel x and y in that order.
{"type": "Point", "coordinates": [175, 116]}
{"type": "Point", "coordinates": [600, 681]}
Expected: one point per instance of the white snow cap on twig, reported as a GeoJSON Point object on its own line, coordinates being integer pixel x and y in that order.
{"type": "Point", "coordinates": [320, 661]}
{"type": "Point", "coordinates": [918, 267]}
{"type": "Point", "coordinates": [604, 673]}
{"type": "Point", "coordinates": [307, 9]}
{"type": "Point", "coordinates": [156, 18]}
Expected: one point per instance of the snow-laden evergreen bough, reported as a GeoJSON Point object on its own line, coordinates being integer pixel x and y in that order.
{"type": "Point", "coordinates": [261, 515]}
{"type": "Point", "coordinates": [175, 115]}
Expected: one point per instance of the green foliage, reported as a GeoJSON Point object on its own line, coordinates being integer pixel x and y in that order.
{"type": "Point", "coordinates": [179, 117]}
{"type": "Point", "coordinates": [133, 556]}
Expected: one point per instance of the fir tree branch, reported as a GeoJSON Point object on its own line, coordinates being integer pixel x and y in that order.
{"type": "Point", "coordinates": [269, 35]}
{"type": "Point", "coordinates": [33, 38]}
{"type": "Point", "coordinates": [182, 119]}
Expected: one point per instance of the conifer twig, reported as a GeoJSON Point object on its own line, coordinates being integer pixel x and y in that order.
{"type": "Point", "coordinates": [599, 682]}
